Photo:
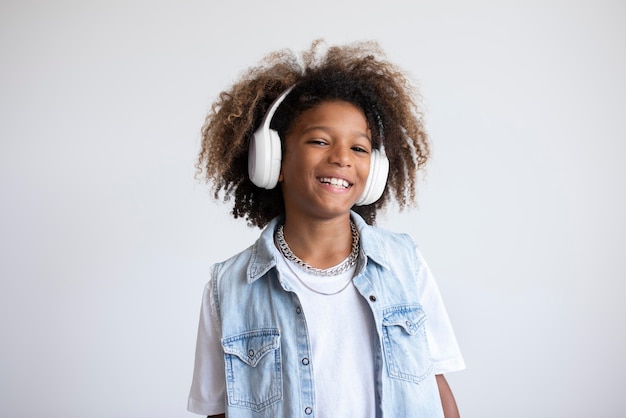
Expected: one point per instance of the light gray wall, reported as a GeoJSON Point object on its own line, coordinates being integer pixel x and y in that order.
{"type": "Point", "coordinates": [105, 237]}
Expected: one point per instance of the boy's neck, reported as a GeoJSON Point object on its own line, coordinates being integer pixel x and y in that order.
{"type": "Point", "coordinates": [320, 243]}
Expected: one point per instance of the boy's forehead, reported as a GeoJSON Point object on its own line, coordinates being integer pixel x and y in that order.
{"type": "Point", "coordinates": [331, 114]}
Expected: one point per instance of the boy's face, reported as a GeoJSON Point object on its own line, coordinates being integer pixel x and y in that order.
{"type": "Point", "coordinates": [326, 161]}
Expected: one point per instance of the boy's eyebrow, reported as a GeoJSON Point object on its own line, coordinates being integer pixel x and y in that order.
{"type": "Point", "coordinates": [330, 129]}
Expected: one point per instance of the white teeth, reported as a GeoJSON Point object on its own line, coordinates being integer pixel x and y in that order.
{"type": "Point", "coordinates": [335, 181]}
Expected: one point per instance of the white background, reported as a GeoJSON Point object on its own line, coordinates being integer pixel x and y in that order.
{"type": "Point", "coordinates": [105, 236]}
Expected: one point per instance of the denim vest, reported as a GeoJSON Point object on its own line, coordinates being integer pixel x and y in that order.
{"type": "Point", "coordinates": [266, 344]}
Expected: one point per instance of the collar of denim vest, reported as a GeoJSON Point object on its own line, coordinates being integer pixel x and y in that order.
{"type": "Point", "coordinates": [264, 252]}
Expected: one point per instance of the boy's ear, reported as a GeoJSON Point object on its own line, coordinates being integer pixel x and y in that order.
{"type": "Point", "coordinates": [280, 175]}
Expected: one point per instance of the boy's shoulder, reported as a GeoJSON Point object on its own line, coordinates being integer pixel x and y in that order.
{"type": "Point", "coordinates": [388, 247]}
{"type": "Point", "coordinates": [383, 237]}
{"type": "Point", "coordinates": [256, 258]}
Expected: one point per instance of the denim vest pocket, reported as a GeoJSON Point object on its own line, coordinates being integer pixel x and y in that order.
{"type": "Point", "coordinates": [253, 369]}
{"type": "Point", "coordinates": [405, 344]}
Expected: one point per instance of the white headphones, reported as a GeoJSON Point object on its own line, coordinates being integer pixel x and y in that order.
{"type": "Point", "coordinates": [264, 158]}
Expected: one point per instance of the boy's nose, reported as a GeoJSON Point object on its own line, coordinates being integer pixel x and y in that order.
{"type": "Point", "coordinates": [340, 155]}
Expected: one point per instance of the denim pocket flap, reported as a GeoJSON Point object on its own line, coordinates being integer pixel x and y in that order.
{"type": "Point", "coordinates": [250, 347]}
{"type": "Point", "coordinates": [409, 318]}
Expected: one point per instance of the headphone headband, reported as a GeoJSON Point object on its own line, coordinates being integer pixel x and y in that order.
{"type": "Point", "coordinates": [267, 119]}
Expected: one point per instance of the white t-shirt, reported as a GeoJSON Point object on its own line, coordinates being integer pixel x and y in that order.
{"type": "Point", "coordinates": [342, 334]}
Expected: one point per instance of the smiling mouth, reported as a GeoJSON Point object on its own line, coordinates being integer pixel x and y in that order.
{"type": "Point", "coordinates": [335, 182]}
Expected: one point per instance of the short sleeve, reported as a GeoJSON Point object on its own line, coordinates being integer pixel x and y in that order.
{"type": "Point", "coordinates": [207, 393]}
{"type": "Point", "coordinates": [444, 348]}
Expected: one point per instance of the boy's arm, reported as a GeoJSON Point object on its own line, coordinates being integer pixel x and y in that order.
{"type": "Point", "coordinates": [450, 410]}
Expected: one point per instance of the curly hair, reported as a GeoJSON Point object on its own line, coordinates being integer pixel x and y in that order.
{"type": "Point", "coordinates": [357, 73]}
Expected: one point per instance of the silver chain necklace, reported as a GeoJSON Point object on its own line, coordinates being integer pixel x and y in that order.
{"type": "Point", "coordinates": [319, 292]}
{"type": "Point", "coordinates": [332, 271]}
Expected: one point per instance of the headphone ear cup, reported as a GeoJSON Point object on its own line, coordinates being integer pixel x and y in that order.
{"type": "Point", "coordinates": [276, 157]}
{"type": "Point", "coordinates": [264, 153]}
{"type": "Point", "coordinates": [376, 179]}
{"type": "Point", "coordinates": [264, 158]}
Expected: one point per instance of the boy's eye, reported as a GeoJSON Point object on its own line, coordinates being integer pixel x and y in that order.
{"type": "Point", "coordinates": [360, 149]}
